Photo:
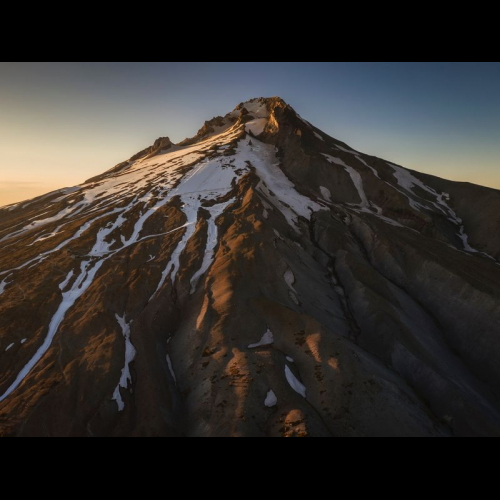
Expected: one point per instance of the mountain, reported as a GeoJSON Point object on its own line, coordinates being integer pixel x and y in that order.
{"type": "Point", "coordinates": [258, 279]}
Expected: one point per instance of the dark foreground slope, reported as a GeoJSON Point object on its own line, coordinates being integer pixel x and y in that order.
{"type": "Point", "coordinates": [259, 279]}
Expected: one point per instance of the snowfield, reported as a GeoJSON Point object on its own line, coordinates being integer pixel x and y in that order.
{"type": "Point", "coordinates": [267, 339]}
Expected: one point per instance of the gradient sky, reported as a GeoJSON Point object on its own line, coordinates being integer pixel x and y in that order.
{"type": "Point", "coordinates": [62, 123]}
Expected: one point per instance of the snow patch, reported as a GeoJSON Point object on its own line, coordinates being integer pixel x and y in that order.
{"type": "Point", "coordinates": [64, 284]}
{"type": "Point", "coordinates": [408, 181]}
{"type": "Point", "coordinates": [294, 298]}
{"type": "Point", "coordinates": [171, 369]}
{"type": "Point", "coordinates": [256, 127]}
{"type": "Point", "coordinates": [130, 354]}
{"type": "Point", "coordinates": [319, 136]}
{"type": "Point", "coordinates": [351, 151]}
{"type": "Point", "coordinates": [295, 384]}
{"type": "Point", "coordinates": [358, 183]}
{"type": "Point", "coordinates": [9, 347]}
{"type": "Point", "coordinates": [465, 240]}
{"type": "Point", "coordinates": [355, 177]}
{"type": "Point", "coordinates": [271, 400]}
{"type": "Point", "coordinates": [325, 192]}
{"type": "Point", "coordinates": [256, 108]}
{"type": "Point", "coordinates": [267, 339]}
{"type": "Point", "coordinates": [366, 165]}
{"type": "Point", "coordinates": [4, 284]}
{"type": "Point", "coordinates": [290, 280]}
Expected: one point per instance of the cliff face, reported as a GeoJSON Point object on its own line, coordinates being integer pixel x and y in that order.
{"type": "Point", "coordinates": [260, 279]}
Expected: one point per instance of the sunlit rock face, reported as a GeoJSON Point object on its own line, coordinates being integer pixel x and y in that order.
{"type": "Point", "coordinates": [258, 279]}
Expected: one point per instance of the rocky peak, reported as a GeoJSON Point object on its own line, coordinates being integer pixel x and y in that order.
{"type": "Point", "coordinates": [208, 128]}
{"type": "Point", "coordinates": [260, 108]}
{"type": "Point", "coordinates": [161, 144]}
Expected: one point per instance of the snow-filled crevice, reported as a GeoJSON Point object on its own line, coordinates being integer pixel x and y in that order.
{"type": "Point", "coordinates": [355, 177]}
{"type": "Point", "coordinates": [212, 240]}
{"type": "Point", "coordinates": [172, 267]}
{"type": "Point", "coordinates": [369, 166]}
{"type": "Point", "coordinates": [365, 206]}
{"type": "Point", "coordinates": [171, 369]}
{"type": "Point", "coordinates": [130, 353]}
{"type": "Point", "coordinates": [3, 285]}
{"type": "Point", "coordinates": [274, 184]}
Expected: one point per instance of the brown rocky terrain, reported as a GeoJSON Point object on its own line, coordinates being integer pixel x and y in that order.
{"type": "Point", "coordinates": [259, 279]}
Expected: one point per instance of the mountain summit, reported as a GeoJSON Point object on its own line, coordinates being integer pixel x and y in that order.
{"type": "Point", "coordinates": [258, 279]}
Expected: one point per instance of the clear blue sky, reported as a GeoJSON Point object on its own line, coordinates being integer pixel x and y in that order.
{"type": "Point", "coordinates": [62, 123]}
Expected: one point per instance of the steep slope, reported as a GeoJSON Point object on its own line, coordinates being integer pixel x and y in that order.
{"type": "Point", "coordinates": [258, 279]}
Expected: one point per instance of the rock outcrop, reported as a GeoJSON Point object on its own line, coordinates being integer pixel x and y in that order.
{"type": "Point", "coordinates": [161, 145]}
